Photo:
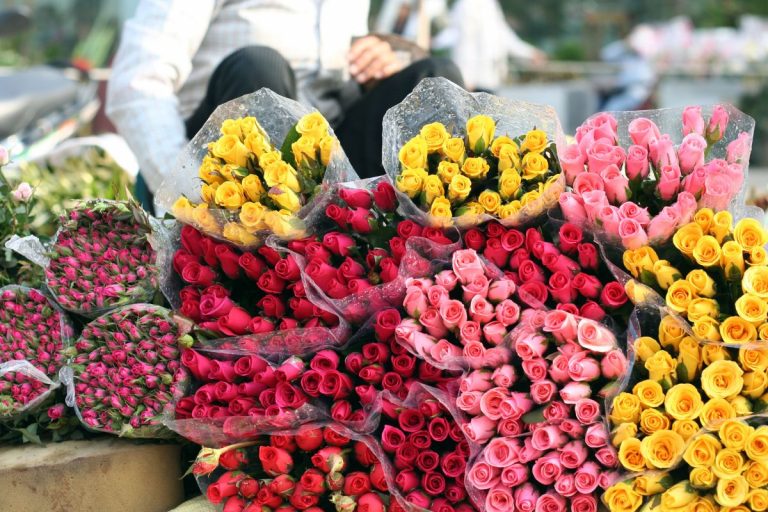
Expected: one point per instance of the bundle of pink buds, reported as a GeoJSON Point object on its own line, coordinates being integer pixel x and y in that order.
{"type": "Point", "coordinates": [127, 370]}
{"type": "Point", "coordinates": [33, 333]}
{"type": "Point", "coordinates": [102, 258]}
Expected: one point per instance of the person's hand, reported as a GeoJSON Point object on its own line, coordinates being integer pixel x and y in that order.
{"type": "Point", "coordinates": [371, 58]}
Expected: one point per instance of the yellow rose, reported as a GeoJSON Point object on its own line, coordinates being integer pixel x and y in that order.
{"type": "Point", "coordinates": [722, 379]}
{"type": "Point", "coordinates": [253, 188]}
{"type": "Point", "coordinates": [328, 145]}
{"type": "Point", "coordinates": [652, 420]}
{"type": "Point", "coordinates": [704, 504]}
{"type": "Point", "coordinates": [707, 251]}
{"type": "Point", "coordinates": [662, 449]}
{"type": "Point", "coordinates": [713, 352]}
{"type": "Point", "coordinates": [700, 308]}
{"type": "Point", "coordinates": [756, 281]}
{"type": "Point", "coordinates": [529, 198]}
{"type": "Point", "coordinates": [475, 168]}
{"type": "Point", "coordinates": [758, 256]}
{"type": "Point", "coordinates": [413, 155]}
{"type": "Point", "coordinates": [758, 500]}
{"type": "Point", "coordinates": [732, 492]}
{"type": "Point", "coordinates": [754, 384]}
{"type": "Point", "coordinates": [677, 496]}
{"type": "Point", "coordinates": [459, 189]}
{"type": "Point", "coordinates": [490, 201]}
{"type": "Point", "coordinates": [256, 144]}
{"type": "Point", "coordinates": [665, 274]}
{"type": "Point", "coordinates": [501, 141]}
{"type": "Point", "coordinates": [737, 330]}
{"type": "Point", "coordinates": [252, 216]}
{"type": "Point", "coordinates": [441, 208]}
{"type": "Point", "coordinates": [534, 166]}
{"type": "Point", "coordinates": [232, 172]}
{"type": "Point", "coordinates": [640, 259]}
{"type": "Point", "coordinates": [435, 135]}
{"type": "Point", "coordinates": [702, 283]}
{"type": "Point", "coordinates": [471, 208]}
{"type": "Point", "coordinates": [649, 392]}
{"type": "Point", "coordinates": [509, 184]}
{"type": "Point", "coordinates": [754, 359]}
{"type": "Point", "coordinates": [620, 497]}
{"type": "Point", "coordinates": [728, 463]}
{"type": "Point", "coordinates": [707, 329]}
{"type": "Point", "coordinates": [651, 484]}
{"type": "Point", "coordinates": [236, 233]}
{"type": "Point", "coordinates": [282, 173]}
{"type": "Point", "coordinates": [210, 170]}
{"type": "Point", "coordinates": [626, 409]}
{"type": "Point", "coordinates": [686, 238]}
{"type": "Point", "coordinates": [433, 188]}
{"type": "Point", "coordinates": [637, 292]}
{"type": "Point", "coordinates": [756, 473]}
{"type": "Point", "coordinates": [688, 359]}
{"type": "Point", "coordinates": [231, 150]}
{"type": "Point", "coordinates": [721, 225]}
{"type": "Point", "coordinates": [509, 159]}
{"type": "Point", "coordinates": [662, 367]}
{"type": "Point", "coordinates": [208, 193]}
{"type": "Point", "coordinates": [623, 432]}
{"type": "Point", "coordinates": [480, 131]}
{"type": "Point", "coordinates": [686, 428]}
{"type": "Point", "coordinates": [701, 451]}
{"type": "Point", "coordinates": [205, 219]}
{"type": "Point", "coordinates": [182, 209]}
{"type": "Point", "coordinates": [535, 141]}
{"type": "Point", "coordinates": [645, 347]}
{"type": "Point", "coordinates": [702, 478]}
{"type": "Point", "coordinates": [734, 434]}
{"type": "Point", "coordinates": [312, 125]}
{"type": "Point", "coordinates": [304, 151]}
{"type": "Point", "coordinates": [230, 195]}
{"type": "Point", "coordinates": [454, 149]}
{"type": "Point", "coordinates": [716, 411]}
{"type": "Point", "coordinates": [447, 170]}
{"type": "Point", "coordinates": [285, 198]}
{"type": "Point", "coordinates": [249, 125]}
{"type": "Point", "coordinates": [741, 405]}
{"type": "Point", "coordinates": [703, 218]}
{"type": "Point", "coordinates": [630, 456]}
{"type": "Point", "coordinates": [284, 223]}
{"type": "Point", "coordinates": [411, 182]}
{"type": "Point", "coordinates": [231, 127]}
{"type": "Point", "coordinates": [679, 295]}
{"type": "Point", "coordinates": [763, 332]}
{"type": "Point", "coordinates": [683, 402]}
{"type": "Point", "coordinates": [749, 233]}
{"type": "Point", "coordinates": [269, 158]}
{"type": "Point", "coordinates": [732, 260]}
{"type": "Point", "coordinates": [509, 209]}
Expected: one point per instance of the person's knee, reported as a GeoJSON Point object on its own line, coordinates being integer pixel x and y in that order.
{"type": "Point", "coordinates": [438, 67]}
{"type": "Point", "coordinates": [260, 66]}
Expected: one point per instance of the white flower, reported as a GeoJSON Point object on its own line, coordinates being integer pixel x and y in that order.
{"type": "Point", "coordinates": [23, 192]}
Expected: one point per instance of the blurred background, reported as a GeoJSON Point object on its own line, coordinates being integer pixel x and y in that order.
{"type": "Point", "coordinates": [581, 56]}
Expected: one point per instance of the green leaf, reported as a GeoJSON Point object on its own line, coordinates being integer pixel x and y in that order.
{"type": "Point", "coordinates": [682, 372]}
{"type": "Point", "coordinates": [536, 416]}
{"type": "Point", "coordinates": [648, 279]}
{"type": "Point", "coordinates": [286, 149]}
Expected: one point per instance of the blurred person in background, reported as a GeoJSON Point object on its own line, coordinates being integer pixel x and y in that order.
{"type": "Point", "coordinates": [635, 83]}
{"type": "Point", "coordinates": [179, 60]}
{"type": "Point", "coordinates": [480, 42]}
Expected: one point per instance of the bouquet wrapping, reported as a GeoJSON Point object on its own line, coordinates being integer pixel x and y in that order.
{"type": "Point", "coordinates": [34, 333]}
{"type": "Point", "coordinates": [463, 159]}
{"type": "Point", "coordinates": [256, 167]}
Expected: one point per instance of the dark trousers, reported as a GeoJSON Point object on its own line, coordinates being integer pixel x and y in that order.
{"type": "Point", "coordinates": [251, 68]}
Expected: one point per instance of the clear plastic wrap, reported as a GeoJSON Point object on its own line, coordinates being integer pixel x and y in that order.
{"type": "Point", "coordinates": [125, 372]}
{"type": "Point", "coordinates": [275, 123]}
{"type": "Point", "coordinates": [439, 100]}
{"type": "Point", "coordinates": [34, 333]}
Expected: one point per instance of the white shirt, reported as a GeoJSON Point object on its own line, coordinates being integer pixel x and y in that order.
{"type": "Point", "coordinates": [170, 49]}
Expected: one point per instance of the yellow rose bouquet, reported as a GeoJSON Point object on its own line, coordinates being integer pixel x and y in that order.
{"type": "Point", "coordinates": [714, 274]}
{"type": "Point", "coordinates": [463, 170]}
{"type": "Point", "coordinates": [244, 185]}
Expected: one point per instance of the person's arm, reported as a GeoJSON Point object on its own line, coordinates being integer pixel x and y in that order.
{"type": "Point", "coordinates": [152, 63]}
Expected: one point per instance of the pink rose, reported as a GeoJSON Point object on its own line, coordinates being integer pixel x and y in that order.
{"type": "Point", "coordinates": [436, 295]}
{"type": "Point", "coordinates": [510, 427]}
{"type": "Point", "coordinates": [693, 121]}
{"type": "Point", "coordinates": [502, 452]}
{"type": "Point", "coordinates": [606, 122]}
{"type": "Point", "coordinates": [535, 369]}
{"type": "Point", "coordinates": [735, 173]}
{"type": "Point", "coordinates": [587, 285]}
{"type": "Point", "coordinates": [419, 343]}
{"type": "Point", "coordinates": [478, 380]}
{"type": "Point", "coordinates": [584, 503]}
{"type": "Point", "coordinates": [662, 152]}
{"type": "Point", "coordinates": [515, 406]}
{"type": "Point", "coordinates": [558, 370]}
{"type": "Point", "coordinates": [717, 124]}
{"type": "Point", "coordinates": [669, 182]}
{"type": "Point", "coordinates": [643, 131]}
{"type": "Point", "coordinates": [547, 469]}
{"type": "Point", "coordinates": [596, 436]}
{"type": "Point", "coordinates": [431, 320]}
{"type": "Point", "coordinates": [572, 162]}
{"type": "Point", "coordinates": [500, 290]}
{"type": "Point", "coordinates": [691, 152]}
{"type": "Point", "coordinates": [422, 283]}
{"type": "Point", "coordinates": [573, 454]}
{"type": "Point", "coordinates": [499, 499]}
{"type": "Point", "coordinates": [475, 353]}
{"type": "Point", "coordinates": [630, 210]}
{"type": "Point", "coordinates": [453, 314]}
{"type": "Point", "coordinates": [467, 265]}
{"type": "Point", "coordinates": [415, 302]}
{"type": "Point", "coordinates": [529, 453]}
{"type": "Point", "coordinates": [607, 479]}
{"type": "Point", "coordinates": [575, 391]}
{"type": "Point", "coordinates": [587, 411]}
{"type": "Point", "coordinates": [526, 497]}
{"type": "Point", "coordinates": [582, 368]}
{"type": "Point", "coordinates": [447, 279]}
{"type": "Point", "coordinates": [514, 475]}
{"type": "Point", "coordinates": [479, 430]}
{"type": "Point", "coordinates": [470, 331]}
{"type": "Point", "coordinates": [614, 364]}
{"type": "Point", "coordinates": [717, 192]}
{"type": "Point", "coordinates": [549, 437]}
{"type": "Point", "coordinates": [533, 318]}
{"type": "Point", "coordinates": [481, 310]}
{"type": "Point", "coordinates": [497, 356]}
{"type": "Point", "coordinates": [542, 391]}
{"type": "Point", "coordinates": [469, 402]}
{"type": "Point", "coordinates": [637, 162]}
{"type": "Point", "coordinates": [632, 234]}
{"type": "Point", "coordinates": [573, 428]}
{"type": "Point", "coordinates": [593, 336]}
{"type": "Point", "coordinates": [615, 183]}
{"type": "Point", "coordinates": [562, 325]}
{"type": "Point", "coordinates": [504, 376]}
{"type": "Point", "coordinates": [600, 156]}
{"type": "Point", "coordinates": [483, 476]}
{"type": "Point", "coordinates": [490, 403]}
{"type": "Point", "coordinates": [607, 457]}
{"type": "Point", "coordinates": [531, 346]}
{"type": "Point", "coordinates": [477, 287]}
{"type": "Point", "coordinates": [444, 352]}
{"type": "Point", "coordinates": [551, 502]}
{"type": "Point", "coordinates": [572, 207]}
{"type": "Point", "coordinates": [663, 225]}
{"type": "Point", "coordinates": [609, 218]}
{"type": "Point", "coordinates": [594, 201]}
{"type": "Point", "coordinates": [586, 477]}
{"type": "Point", "coordinates": [566, 485]}
{"type": "Point", "coordinates": [738, 149]}
{"type": "Point", "coordinates": [694, 182]}
{"type": "Point", "coordinates": [494, 333]}
{"type": "Point", "coordinates": [588, 182]}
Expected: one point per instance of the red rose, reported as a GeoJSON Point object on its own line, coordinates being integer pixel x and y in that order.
{"type": "Point", "coordinates": [299, 246]}
{"type": "Point", "coordinates": [312, 481]}
{"type": "Point", "coordinates": [442, 505]}
{"type": "Point", "coordinates": [428, 372]}
{"type": "Point", "coordinates": [234, 504]}
{"type": "Point", "coordinates": [517, 258]}
{"type": "Point", "coordinates": [217, 291]}
{"type": "Point", "coordinates": [224, 391]}
{"type": "Point", "coordinates": [249, 487]}
{"type": "Point", "coordinates": [494, 229]}
{"type": "Point", "coordinates": [209, 252]}
{"type": "Point", "coordinates": [392, 381]}
{"type": "Point", "coordinates": [316, 251]}
{"type": "Point", "coordinates": [592, 310]}
{"type": "Point", "coordinates": [269, 254]}
{"type": "Point", "coordinates": [268, 397]}
{"type": "Point", "coordinates": [404, 365]}
{"type": "Point", "coordinates": [392, 438]}
{"type": "Point", "coordinates": [197, 274]}
{"type": "Point", "coordinates": [285, 442]}
{"type": "Point", "coordinates": [361, 220]}
{"type": "Point", "coordinates": [270, 282]}
{"type": "Point", "coordinates": [334, 438]}
{"type": "Point", "coordinates": [205, 394]}
{"type": "Point", "coordinates": [455, 493]}
{"type": "Point", "coordinates": [240, 406]}
{"type": "Point", "coordinates": [260, 324]}
{"type": "Point", "coordinates": [191, 309]}
{"type": "Point", "coordinates": [408, 228]}
{"type": "Point", "coordinates": [532, 236]}
{"type": "Point", "coordinates": [453, 464]}
{"type": "Point", "coordinates": [433, 483]}
{"type": "Point", "coordinates": [334, 481]}
{"type": "Point", "coordinates": [512, 240]}
{"type": "Point", "coordinates": [235, 323]}
{"type": "Point", "coordinates": [397, 248]}
{"type": "Point", "coordinates": [309, 438]}
{"type": "Point", "coordinates": [338, 243]}
{"type": "Point", "coordinates": [378, 477]}
{"type": "Point", "coordinates": [335, 384]}
{"type": "Point", "coordinates": [405, 456]}
{"type": "Point", "coordinates": [436, 235]}
{"type": "Point", "coordinates": [337, 214]}
{"type": "Point", "coordinates": [222, 370]}
{"type": "Point", "coordinates": [229, 260]}
{"type": "Point", "coordinates": [495, 253]}
{"type": "Point", "coordinates": [356, 198]}
{"type": "Point", "coordinates": [198, 364]}
{"type": "Point", "coordinates": [357, 483]}
{"type": "Point", "coordinates": [427, 460]}
{"type": "Point", "coordinates": [287, 323]}
{"type": "Point", "coordinates": [474, 239]}
{"type": "Point", "coordinates": [372, 374]}
{"type": "Point", "coordinates": [321, 273]}
{"type": "Point", "coordinates": [569, 308]}
{"type": "Point", "coordinates": [272, 306]}
{"type": "Point", "coordinates": [350, 269]}
{"type": "Point", "coordinates": [613, 295]}
{"type": "Point", "coordinates": [587, 256]}
{"type": "Point", "coordinates": [267, 498]}
{"type": "Point", "coordinates": [561, 288]}
{"type": "Point", "coordinates": [341, 410]}
{"type": "Point", "coordinates": [184, 408]}
{"type": "Point", "coordinates": [326, 316]}
{"type": "Point", "coordinates": [384, 197]}
{"type": "Point", "coordinates": [303, 500]}
{"type": "Point", "coordinates": [374, 256]}
{"type": "Point", "coordinates": [189, 293]}
{"type": "Point", "coordinates": [191, 240]}
{"type": "Point", "coordinates": [252, 265]}
{"type": "Point", "coordinates": [335, 289]}
{"type": "Point", "coordinates": [370, 502]}
{"type": "Point", "coordinates": [355, 286]}
{"type": "Point", "coordinates": [530, 271]}
{"type": "Point", "coordinates": [354, 362]}
{"type": "Point", "coordinates": [215, 307]}
{"type": "Point", "coordinates": [287, 269]}
{"type": "Point", "coordinates": [224, 487]}
{"type": "Point", "coordinates": [297, 289]}
{"type": "Point", "coordinates": [385, 324]}
{"type": "Point", "coordinates": [421, 439]}
{"type": "Point", "coordinates": [389, 270]}
{"type": "Point", "coordinates": [181, 259]}
{"type": "Point", "coordinates": [570, 237]}
{"type": "Point", "coordinates": [233, 459]}
{"type": "Point", "coordinates": [288, 397]}
{"type": "Point", "coordinates": [275, 461]}
{"type": "Point", "coordinates": [375, 352]}
{"type": "Point", "coordinates": [366, 394]}
{"type": "Point", "coordinates": [325, 458]}
{"type": "Point", "coordinates": [407, 480]}
{"type": "Point", "coordinates": [282, 485]}
{"type": "Point", "coordinates": [438, 429]}
{"type": "Point", "coordinates": [363, 454]}
{"type": "Point", "coordinates": [533, 293]}
{"type": "Point", "coordinates": [587, 285]}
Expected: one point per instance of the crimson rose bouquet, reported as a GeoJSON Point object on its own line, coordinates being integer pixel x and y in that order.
{"type": "Point", "coordinates": [125, 370]}
{"type": "Point", "coordinates": [315, 468]}
{"type": "Point", "coordinates": [221, 298]}
{"type": "Point", "coordinates": [102, 258]}
{"type": "Point", "coordinates": [33, 335]}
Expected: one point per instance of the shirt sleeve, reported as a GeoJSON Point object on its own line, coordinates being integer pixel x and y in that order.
{"type": "Point", "coordinates": [153, 61]}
